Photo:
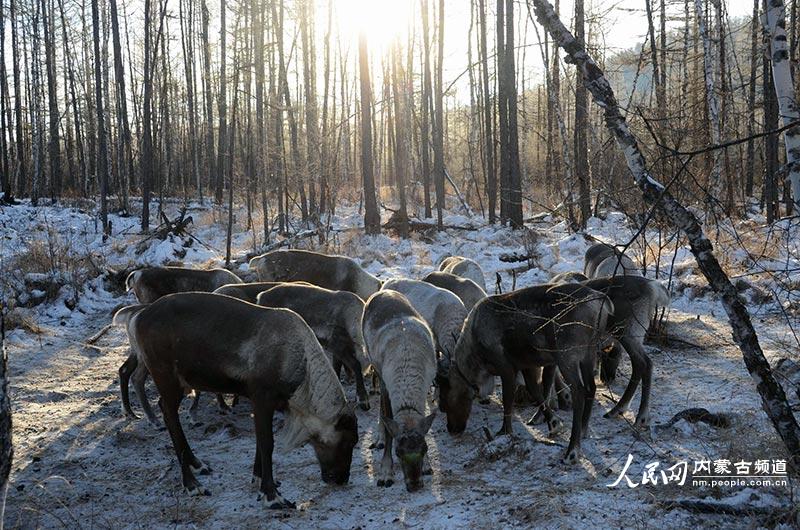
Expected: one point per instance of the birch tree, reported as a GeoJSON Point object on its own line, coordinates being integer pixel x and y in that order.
{"type": "Point", "coordinates": [784, 90]}
{"type": "Point", "coordinates": [773, 397]}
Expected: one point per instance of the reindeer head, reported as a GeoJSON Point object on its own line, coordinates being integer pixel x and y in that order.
{"type": "Point", "coordinates": [334, 447]}
{"type": "Point", "coordinates": [410, 447]}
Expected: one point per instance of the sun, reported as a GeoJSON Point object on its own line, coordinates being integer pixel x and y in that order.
{"type": "Point", "coordinates": [380, 20]}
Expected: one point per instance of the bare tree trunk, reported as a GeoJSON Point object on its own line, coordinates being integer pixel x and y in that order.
{"type": "Point", "coordinates": [147, 117]}
{"type": "Point", "coordinates": [21, 173]}
{"type": "Point", "coordinates": [187, 44]}
{"type": "Point", "coordinates": [102, 150]}
{"type": "Point", "coordinates": [372, 219]}
{"type": "Point", "coordinates": [53, 146]}
{"type": "Point", "coordinates": [438, 124]}
{"type": "Point", "coordinates": [711, 97]}
{"type": "Point", "coordinates": [125, 158]}
{"type": "Point", "coordinates": [771, 147]}
{"type": "Point", "coordinates": [427, 96]}
{"type": "Point", "coordinates": [582, 128]}
{"type": "Point", "coordinates": [68, 60]}
{"type": "Point", "coordinates": [751, 104]}
{"type": "Point", "coordinates": [784, 89]}
{"type": "Point", "coordinates": [312, 114]}
{"type": "Point", "coordinates": [490, 170]}
{"type": "Point", "coordinates": [222, 106]}
{"type": "Point", "coordinates": [5, 177]}
{"type": "Point", "coordinates": [773, 398]}
{"type": "Point", "coordinates": [401, 124]}
{"type": "Point", "coordinates": [514, 171]}
{"type": "Point", "coordinates": [209, 100]}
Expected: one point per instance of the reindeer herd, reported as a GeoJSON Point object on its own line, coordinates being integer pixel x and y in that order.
{"type": "Point", "coordinates": [282, 342]}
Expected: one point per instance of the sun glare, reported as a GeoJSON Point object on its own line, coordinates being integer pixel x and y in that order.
{"type": "Point", "coordinates": [380, 20]}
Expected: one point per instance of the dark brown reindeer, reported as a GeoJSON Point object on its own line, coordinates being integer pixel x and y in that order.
{"type": "Point", "coordinates": [468, 291]}
{"type": "Point", "coordinates": [150, 284]}
{"type": "Point", "coordinates": [635, 302]}
{"type": "Point", "coordinates": [335, 319]}
{"type": "Point", "coordinates": [338, 273]}
{"type": "Point", "coordinates": [401, 348]}
{"type": "Point", "coordinates": [219, 344]}
{"type": "Point", "coordinates": [541, 326]}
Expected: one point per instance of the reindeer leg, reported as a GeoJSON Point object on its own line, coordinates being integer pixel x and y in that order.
{"type": "Point", "coordinates": [386, 472]}
{"type": "Point", "coordinates": [139, 379]}
{"type": "Point", "coordinates": [349, 360]}
{"type": "Point", "coordinates": [509, 379]}
{"type": "Point", "coordinates": [125, 371]}
{"type": "Point", "coordinates": [571, 373]}
{"type": "Point", "coordinates": [562, 392]}
{"type": "Point", "coordinates": [193, 409]}
{"type": "Point", "coordinates": [587, 373]}
{"type": "Point", "coordinates": [263, 410]}
{"type": "Point", "coordinates": [538, 393]}
{"type": "Point", "coordinates": [171, 395]}
{"type": "Point", "coordinates": [641, 367]}
{"type": "Point", "coordinates": [223, 407]}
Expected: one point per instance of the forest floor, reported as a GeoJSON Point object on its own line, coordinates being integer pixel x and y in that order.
{"type": "Point", "coordinates": [79, 463]}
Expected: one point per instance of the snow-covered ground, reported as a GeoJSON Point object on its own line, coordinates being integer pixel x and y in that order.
{"type": "Point", "coordinates": [80, 463]}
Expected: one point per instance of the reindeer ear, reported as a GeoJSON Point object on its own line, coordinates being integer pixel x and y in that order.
{"type": "Point", "coordinates": [425, 426]}
{"type": "Point", "coordinates": [391, 426]}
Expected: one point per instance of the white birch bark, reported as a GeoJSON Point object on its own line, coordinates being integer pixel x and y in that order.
{"type": "Point", "coordinates": [784, 89]}
{"type": "Point", "coordinates": [711, 97]}
{"type": "Point", "coordinates": [773, 397]}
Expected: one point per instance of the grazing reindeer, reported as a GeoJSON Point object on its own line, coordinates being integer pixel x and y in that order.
{"type": "Point", "coordinates": [220, 344]}
{"type": "Point", "coordinates": [635, 301]}
{"type": "Point", "coordinates": [247, 292]}
{"type": "Point", "coordinates": [338, 273]}
{"type": "Point", "coordinates": [442, 310]}
{"type": "Point", "coordinates": [541, 326]}
{"type": "Point", "coordinates": [400, 347]}
{"type": "Point", "coordinates": [150, 284]}
{"type": "Point", "coordinates": [335, 319]}
{"type": "Point", "coordinates": [603, 260]}
{"type": "Point", "coordinates": [464, 267]}
{"type": "Point", "coordinates": [569, 277]}
{"type": "Point", "coordinates": [468, 291]}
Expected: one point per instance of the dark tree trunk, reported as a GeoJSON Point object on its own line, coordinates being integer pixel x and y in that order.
{"type": "Point", "coordinates": [514, 171]}
{"type": "Point", "coordinates": [125, 158]}
{"type": "Point", "coordinates": [147, 118]}
{"type": "Point", "coordinates": [751, 104]}
{"type": "Point", "coordinates": [490, 171]}
{"type": "Point", "coordinates": [438, 124]}
{"type": "Point", "coordinates": [6, 445]}
{"type": "Point", "coordinates": [102, 149]}
{"type": "Point", "coordinates": [54, 145]}
{"type": "Point", "coordinates": [581, 129]}
{"type": "Point", "coordinates": [21, 172]}
{"type": "Point", "coordinates": [427, 96]}
{"type": "Point", "coordinates": [372, 219]}
{"type": "Point", "coordinates": [209, 100]}
{"type": "Point", "coordinates": [223, 106]}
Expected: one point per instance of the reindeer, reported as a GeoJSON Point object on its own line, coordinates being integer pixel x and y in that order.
{"type": "Point", "coordinates": [468, 291]}
{"type": "Point", "coordinates": [247, 292]}
{"type": "Point", "coordinates": [150, 284]}
{"type": "Point", "coordinates": [220, 344]}
{"type": "Point", "coordinates": [464, 267]}
{"type": "Point", "coordinates": [338, 273]}
{"type": "Point", "coordinates": [569, 277]}
{"type": "Point", "coordinates": [400, 347]}
{"type": "Point", "coordinates": [541, 326]}
{"type": "Point", "coordinates": [442, 310]}
{"type": "Point", "coordinates": [635, 302]}
{"type": "Point", "coordinates": [335, 319]}
{"type": "Point", "coordinates": [603, 260]}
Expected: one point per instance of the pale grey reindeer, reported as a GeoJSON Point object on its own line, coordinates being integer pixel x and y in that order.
{"type": "Point", "coordinates": [219, 344]}
{"type": "Point", "coordinates": [603, 260]}
{"type": "Point", "coordinates": [442, 310]}
{"type": "Point", "coordinates": [569, 277]}
{"type": "Point", "coordinates": [464, 267]}
{"type": "Point", "coordinates": [400, 347]}
{"type": "Point", "coordinates": [149, 284]}
{"type": "Point", "coordinates": [335, 319]}
{"type": "Point", "coordinates": [467, 290]}
{"type": "Point", "coordinates": [338, 273]}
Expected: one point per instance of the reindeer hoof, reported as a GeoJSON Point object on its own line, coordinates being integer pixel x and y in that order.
{"type": "Point", "coordinates": [570, 458]}
{"type": "Point", "coordinates": [202, 469]}
{"type": "Point", "coordinates": [376, 445]}
{"type": "Point", "coordinates": [197, 490]}
{"type": "Point", "coordinates": [554, 426]}
{"type": "Point", "coordinates": [504, 431]}
{"type": "Point", "coordinates": [364, 404]}
{"type": "Point", "coordinates": [484, 401]}
{"type": "Point", "coordinates": [614, 413]}
{"type": "Point", "coordinates": [642, 422]}
{"type": "Point", "coordinates": [385, 483]}
{"type": "Point", "coordinates": [278, 503]}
